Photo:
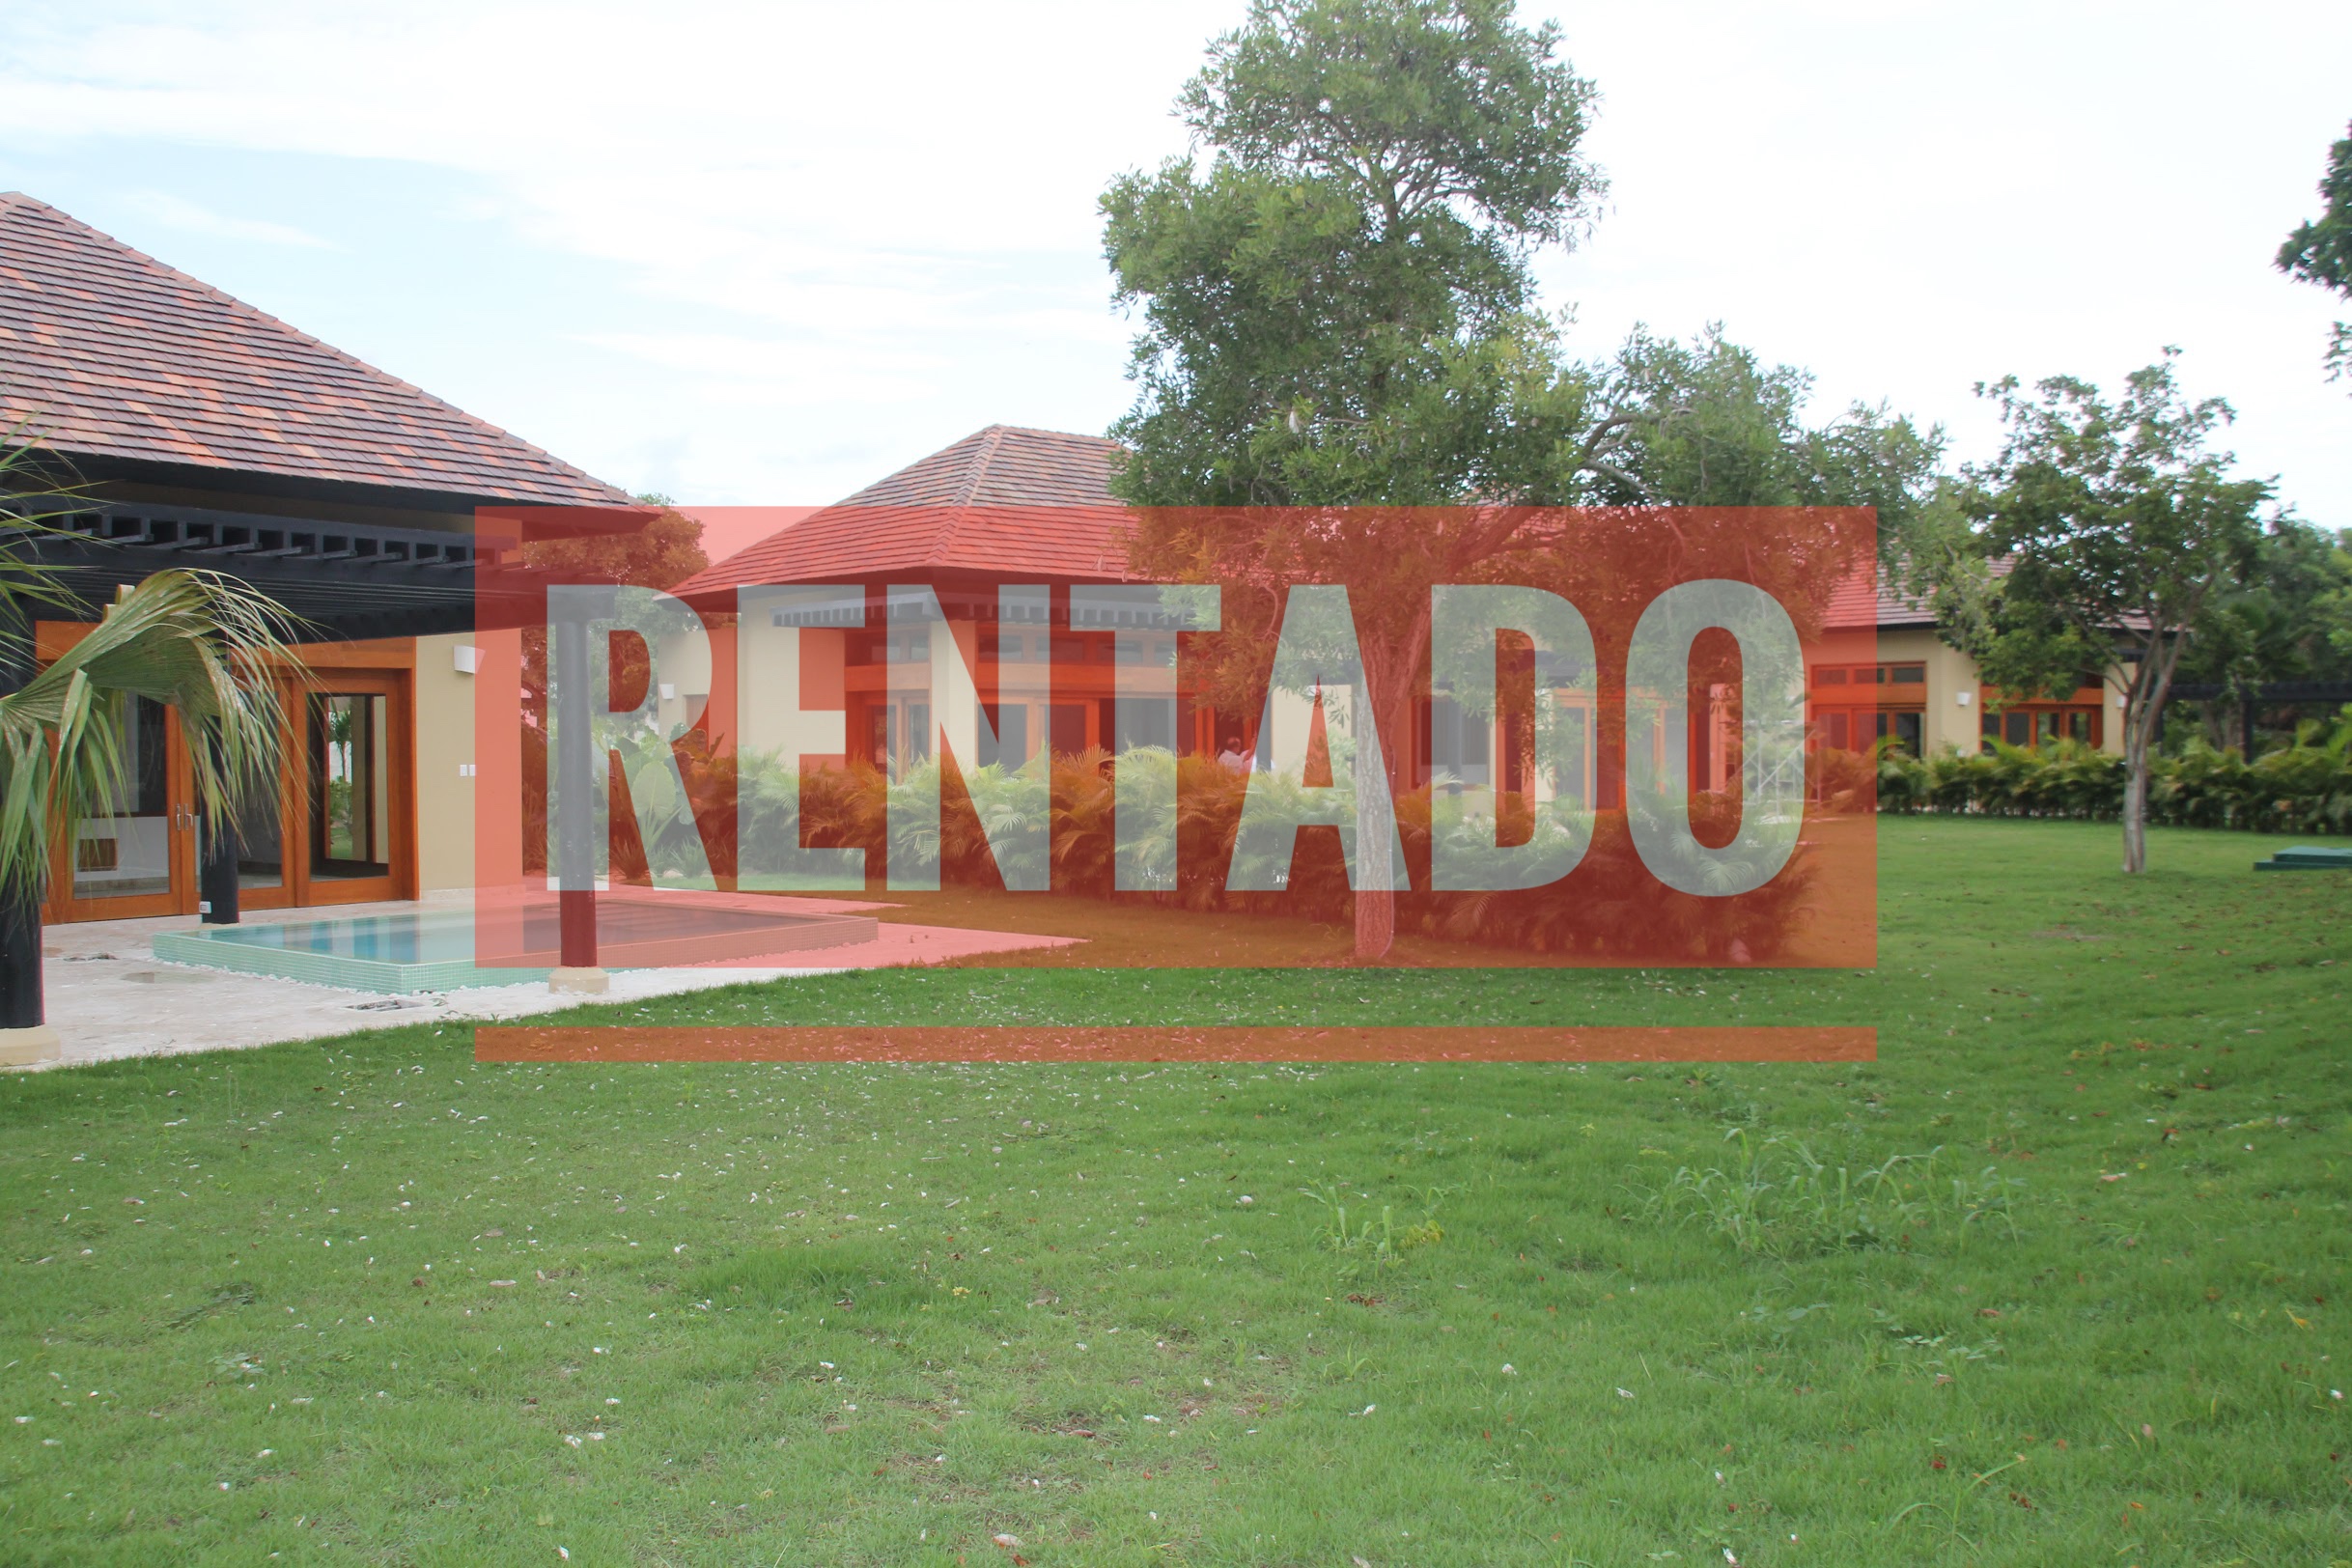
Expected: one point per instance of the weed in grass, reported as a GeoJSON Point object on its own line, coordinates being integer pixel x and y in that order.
{"type": "Point", "coordinates": [1777, 1200]}
{"type": "Point", "coordinates": [1382, 1242]}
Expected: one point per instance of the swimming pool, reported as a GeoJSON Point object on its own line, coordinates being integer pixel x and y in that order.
{"type": "Point", "coordinates": [433, 950]}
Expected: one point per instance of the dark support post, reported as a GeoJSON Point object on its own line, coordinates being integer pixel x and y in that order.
{"type": "Point", "coordinates": [21, 1003]}
{"type": "Point", "coordinates": [25, 1035]}
{"type": "Point", "coordinates": [217, 845]}
{"type": "Point", "coordinates": [574, 787]}
{"type": "Point", "coordinates": [216, 881]}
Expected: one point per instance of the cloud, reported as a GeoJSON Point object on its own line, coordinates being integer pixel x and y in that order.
{"type": "Point", "coordinates": [178, 212]}
{"type": "Point", "coordinates": [897, 203]}
{"type": "Point", "coordinates": [781, 373]}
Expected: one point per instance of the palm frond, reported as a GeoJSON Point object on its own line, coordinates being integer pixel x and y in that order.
{"type": "Point", "coordinates": [202, 643]}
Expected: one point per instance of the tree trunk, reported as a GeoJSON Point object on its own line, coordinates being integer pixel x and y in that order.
{"type": "Point", "coordinates": [20, 977]}
{"type": "Point", "coordinates": [1374, 902]}
{"type": "Point", "coordinates": [2142, 712]}
{"type": "Point", "coordinates": [1390, 673]}
{"type": "Point", "coordinates": [2135, 795]}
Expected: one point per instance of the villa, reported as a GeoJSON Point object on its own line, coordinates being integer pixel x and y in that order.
{"type": "Point", "coordinates": [203, 432]}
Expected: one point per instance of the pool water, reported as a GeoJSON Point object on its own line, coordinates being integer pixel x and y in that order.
{"type": "Point", "coordinates": [433, 950]}
{"type": "Point", "coordinates": [381, 938]}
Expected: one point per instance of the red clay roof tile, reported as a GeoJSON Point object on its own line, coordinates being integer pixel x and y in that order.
{"type": "Point", "coordinates": [107, 353]}
{"type": "Point", "coordinates": [1006, 502]}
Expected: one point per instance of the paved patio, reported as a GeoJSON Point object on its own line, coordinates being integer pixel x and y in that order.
{"type": "Point", "coordinates": [109, 996]}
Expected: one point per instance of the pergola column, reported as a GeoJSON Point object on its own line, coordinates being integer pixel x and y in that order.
{"type": "Point", "coordinates": [574, 789]}
{"type": "Point", "coordinates": [26, 1036]}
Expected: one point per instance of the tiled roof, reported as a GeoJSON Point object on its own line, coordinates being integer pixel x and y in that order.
{"type": "Point", "coordinates": [1006, 502]}
{"type": "Point", "coordinates": [107, 352]}
{"type": "Point", "coordinates": [1854, 606]}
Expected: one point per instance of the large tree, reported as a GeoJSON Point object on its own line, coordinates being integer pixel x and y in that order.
{"type": "Point", "coordinates": [1339, 314]}
{"type": "Point", "coordinates": [1340, 325]}
{"type": "Point", "coordinates": [2102, 536]}
{"type": "Point", "coordinates": [2320, 251]}
{"type": "Point", "coordinates": [1338, 308]}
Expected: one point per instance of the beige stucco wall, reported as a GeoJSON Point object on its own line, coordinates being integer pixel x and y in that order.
{"type": "Point", "coordinates": [1952, 675]}
{"type": "Point", "coordinates": [444, 747]}
{"type": "Point", "coordinates": [2111, 733]}
{"type": "Point", "coordinates": [1947, 721]}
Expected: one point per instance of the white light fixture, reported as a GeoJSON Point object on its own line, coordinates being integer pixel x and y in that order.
{"type": "Point", "coordinates": [669, 692]}
{"type": "Point", "coordinates": [469, 658]}
{"type": "Point", "coordinates": [1961, 698]}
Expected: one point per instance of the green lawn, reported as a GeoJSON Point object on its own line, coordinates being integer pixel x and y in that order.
{"type": "Point", "coordinates": [364, 1300]}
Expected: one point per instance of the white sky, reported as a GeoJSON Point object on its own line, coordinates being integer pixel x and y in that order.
{"type": "Point", "coordinates": [767, 253]}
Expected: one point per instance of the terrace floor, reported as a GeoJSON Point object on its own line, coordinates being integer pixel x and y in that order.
{"type": "Point", "coordinates": [109, 997]}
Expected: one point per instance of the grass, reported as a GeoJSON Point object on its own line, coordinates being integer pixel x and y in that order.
{"type": "Point", "coordinates": [2059, 1279]}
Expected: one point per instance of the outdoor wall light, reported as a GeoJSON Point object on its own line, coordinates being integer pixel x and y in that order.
{"type": "Point", "coordinates": [469, 658]}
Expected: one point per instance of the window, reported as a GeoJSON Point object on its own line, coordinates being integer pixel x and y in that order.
{"type": "Point", "coordinates": [127, 847]}
{"type": "Point", "coordinates": [2040, 723]}
{"type": "Point", "coordinates": [1911, 674]}
{"type": "Point", "coordinates": [1011, 722]}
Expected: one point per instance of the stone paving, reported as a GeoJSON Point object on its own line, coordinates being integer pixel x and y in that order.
{"type": "Point", "coordinates": [109, 996]}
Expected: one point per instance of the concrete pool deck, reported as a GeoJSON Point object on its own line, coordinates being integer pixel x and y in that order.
{"type": "Point", "coordinates": [110, 997]}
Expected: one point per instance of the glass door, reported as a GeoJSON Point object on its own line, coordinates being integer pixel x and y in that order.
{"type": "Point", "coordinates": [356, 784]}
{"type": "Point", "coordinates": [265, 864]}
{"type": "Point", "coordinates": [137, 856]}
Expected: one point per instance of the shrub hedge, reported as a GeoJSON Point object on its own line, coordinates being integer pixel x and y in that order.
{"type": "Point", "coordinates": [2304, 788]}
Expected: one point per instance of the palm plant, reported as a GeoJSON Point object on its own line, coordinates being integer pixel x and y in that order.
{"type": "Point", "coordinates": [199, 642]}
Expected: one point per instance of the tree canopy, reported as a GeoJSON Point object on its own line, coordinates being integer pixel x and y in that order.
{"type": "Point", "coordinates": [2320, 251]}
{"type": "Point", "coordinates": [1338, 307]}
{"type": "Point", "coordinates": [1342, 332]}
{"type": "Point", "coordinates": [2120, 527]}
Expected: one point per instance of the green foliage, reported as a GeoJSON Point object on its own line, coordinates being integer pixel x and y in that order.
{"type": "Point", "coordinates": [2118, 528]}
{"type": "Point", "coordinates": [1337, 307]}
{"type": "Point", "coordinates": [206, 644]}
{"type": "Point", "coordinates": [2303, 788]}
{"type": "Point", "coordinates": [1778, 1199]}
{"type": "Point", "coordinates": [1339, 312]}
{"type": "Point", "coordinates": [1710, 425]}
{"type": "Point", "coordinates": [1364, 1242]}
{"type": "Point", "coordinates": [2290, 619]}
{"type": "Point", "coordinates": [197, 641]}
{"type": "Point", "coordinates": [2320, 250]}
{"type": "Point", "coordinates": [2118, 525]}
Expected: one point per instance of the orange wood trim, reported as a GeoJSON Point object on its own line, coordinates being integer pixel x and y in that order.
{"type": "Point", "coordinates": [51, 639]}
{"type": "Point", "coordinates": [380, 654]}
{"type": "Point", "coordinates": [401, 722]}
{"type": "Point", "coordinates": [2083, 698]}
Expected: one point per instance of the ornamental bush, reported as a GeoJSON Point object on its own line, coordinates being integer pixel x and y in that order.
{"type": "Point", "coordinates": [2303, 788]}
